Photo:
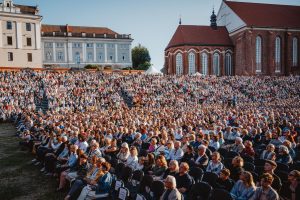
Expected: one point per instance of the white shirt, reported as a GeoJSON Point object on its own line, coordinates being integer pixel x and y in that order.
{"type": "Point", "coordinates": [132, 161]}
{"type": "Point", "coordinates": [176, 154]}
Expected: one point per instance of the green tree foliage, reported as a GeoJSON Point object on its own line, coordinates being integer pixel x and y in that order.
{"type": "Point", "coordinates": [141, 59]}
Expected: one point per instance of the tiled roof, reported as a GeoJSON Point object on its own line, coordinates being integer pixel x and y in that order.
{"type": "Point", "coordinates": [200, 35]}
{"type": "Point", "coordinates": [267, 15]}
{"type": "Point", "coordinates": [76, 29]}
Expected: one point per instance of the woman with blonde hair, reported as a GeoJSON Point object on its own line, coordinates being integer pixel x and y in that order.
{"type": "Point", "coordinates": [244, 188]}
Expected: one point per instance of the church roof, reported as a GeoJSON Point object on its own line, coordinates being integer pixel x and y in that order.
{"type": "Point", "coordinates": [267, 15]}
{"type": "Point", "coordinates": [200, 36]}
{"type": "Point", "coordinates": [76, 29]}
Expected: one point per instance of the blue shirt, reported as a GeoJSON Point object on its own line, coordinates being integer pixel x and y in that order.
{"type": "Point", "coordinates": [72, 160]}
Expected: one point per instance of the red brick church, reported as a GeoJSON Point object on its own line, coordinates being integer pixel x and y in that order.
{"type": "Point", "coordinates": [243, 39]}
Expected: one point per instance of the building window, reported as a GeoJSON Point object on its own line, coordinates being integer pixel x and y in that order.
{"type": "Point", "coordinates": [89, 45]}
{"type": "Point", "coordinates": [8, 25]}
{"type": "Point", "coordinates": [228, 64]}
{"type": "Point", "coordinates": [179, 67]}
{"type": "Point", "coordinates": [192, 63]}
{"type": "Point", "coordinates": [258, 54]}
{"type": "Point", "coordinates": [28, 27]}
{"type": "Point", "coordinates": [123, 57]}
{"type": "Point", "coordinates": [99, 45]}
{"type": "Point", "coordinates": [77, 57]}
{"type": "Point", "coordinates": [29, 57]}
{"type": "Point", "coordinates": [277, 54]}
{"type": "Point", "coordinates": [60, 56]}
{"type": "Point", "coordinates": [48, 56]}
{"type": "Point", "coordinates": [76, 45]}
{"type": "Point", "coordinates": [295, 51]}
{"type": "Point", "coordinates": [111, 46]}
{"type": "Point", "coordinates": [90, 56]}
{"type": "Point", "coordinates": [100, 56]}
{"type": "Point", "coordinates": [216, 64]}
{"type": "Point", "coordinates": [59, 45]}
{"type": "Point", "coordinates": [29, 42]}
{"type": "Point", "coordinates": [204, 59]}
{"type": "Point", "coordinates": [10, 56]}
{"type": "Point", "coordinates": [111, 57]}
{"type": "Point", "coordinates": [48, 45]}
{"type": "Point", "coordinates": [9, 40]}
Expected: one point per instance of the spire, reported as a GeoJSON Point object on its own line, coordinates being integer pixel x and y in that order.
{"type": "Point", "coordinates": [179, 19]}
{"type": "Point", "coordinates": [213, 20]}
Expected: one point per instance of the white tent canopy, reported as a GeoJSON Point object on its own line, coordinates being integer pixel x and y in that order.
{"type": "Point", "coordinates": [152, 70]}
{"type": "Point", "coordinates": [197, 74]}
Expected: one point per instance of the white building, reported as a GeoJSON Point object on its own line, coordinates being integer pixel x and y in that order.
{"type": "Point", "coordinates": [77, 46]}
{"type": "Point", "coordinates": [20, 36]}
{"type": "Point", "coordinates": [25, 43]}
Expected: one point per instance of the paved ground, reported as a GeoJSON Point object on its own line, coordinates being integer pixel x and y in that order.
{"type": "Point", "coordinates": [19, 179]}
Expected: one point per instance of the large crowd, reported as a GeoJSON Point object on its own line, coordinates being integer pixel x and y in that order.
{"type": "Point", "coordinates": [110, 136]}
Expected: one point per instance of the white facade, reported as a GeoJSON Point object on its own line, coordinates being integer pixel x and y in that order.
{"type": "Point", "coordinates": [19, 37]}
{"type": "Point", "coordinates": [227, 17]}
{"type": "Point", "coordinates": [79, 52]}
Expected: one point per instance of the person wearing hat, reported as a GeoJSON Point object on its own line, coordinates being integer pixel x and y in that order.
{"type": "Point", "coordinates": [270, 167]}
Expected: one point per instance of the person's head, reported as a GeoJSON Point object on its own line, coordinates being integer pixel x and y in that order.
{"type": "Point", "coordinates": [83, 158]}
{"type": "Point", "coordinates": [238, 140]}
{"type": "Point", "coordinates": [170, 182]}
{"type": "Point", "coordinates": [294, 176]}
{"type": "Point", "coordinates": [133, 151]}
{"type": "Point", "coordinates": [283, 150]}
{"type": "Point", "coordinates": [237, 161]}
{"type": "Point", "coordinates": [105, 167]}
{"type": "Point", "coordinates": [124, 147]}
{"type": "Point", "coordinates": [270, 147]}
{"type": "Point", "coordinates": [161, 161]}
{"type": "Point", "coordinates": [189, 149]}
{"type": "Point", "coordinates": [224, 174]}
{"type": "Point", "coordinates": [150, 158]}
{"type": "Point", "coordinates": [266, 180]}
{"type": "Point", "coordinates": [270, 166]}
{"type": "Point", "coordinates": [201, 149]}
{"type": "Point", "coordinates": [177, 144]}
{"type": "Point", "coordinates": [247, 178]}
{"type": "Point", "coordinates": [248, 144]}
{"type": "Point", "coordinates": [153, 141]}
{"type": "Point", "coordinates": [215, 156]}
{"type": "Point", "coordinates": [173, 166]}
{"type": "Point", "coordinates": [184, 168]}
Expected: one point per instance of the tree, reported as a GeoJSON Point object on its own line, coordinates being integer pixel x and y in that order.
{"type": "Point", "coordinates": [140, 58]}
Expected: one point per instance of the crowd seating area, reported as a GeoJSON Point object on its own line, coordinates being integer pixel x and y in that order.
{"type": "Point", "coordinates": [113, 136]}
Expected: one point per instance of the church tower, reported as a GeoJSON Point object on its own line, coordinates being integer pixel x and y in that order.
{"type": "Point", "coordinates": [213, 20]}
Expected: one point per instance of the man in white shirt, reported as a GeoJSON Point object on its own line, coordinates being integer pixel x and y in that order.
{"type": "Point", "coordinates": [177, 152]}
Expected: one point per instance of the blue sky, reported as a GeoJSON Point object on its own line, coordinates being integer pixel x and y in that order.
{"type": "Point", "coordinates": [150, 22]}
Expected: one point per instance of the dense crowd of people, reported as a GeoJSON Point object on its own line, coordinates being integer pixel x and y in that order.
{"type": "Point", "coordinates": [159, 137]}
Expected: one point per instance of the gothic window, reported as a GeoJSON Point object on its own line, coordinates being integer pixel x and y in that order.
{"type": "Point", "coordinates": [277, 54]}
{"type": "Point", "coordinates": [258, 53]}
{"type": "Point", "coordinates": [216, 64]}
{"type": "Point", "coordinates": [295, 51]}
{"type": "Point", "coordinates": [204, 59]}
{"type": "Point", "coordinates": [192, 63]}
{"type": "Point", "coordinates": [179, 67]}
{"type": "Point", "coordinates": [228, 64]}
